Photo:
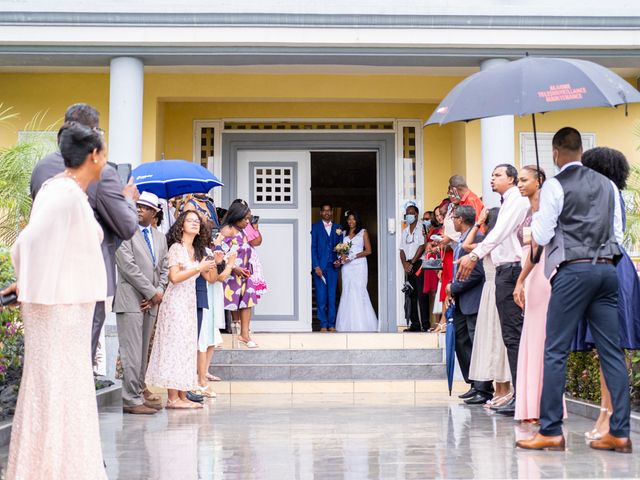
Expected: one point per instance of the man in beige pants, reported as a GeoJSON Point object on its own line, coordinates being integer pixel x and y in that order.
{"type": "Point", "coordinates": [142, 279]}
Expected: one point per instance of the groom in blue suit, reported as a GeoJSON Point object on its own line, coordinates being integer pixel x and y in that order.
{"type": "Point", "coordinates": [325, 235]}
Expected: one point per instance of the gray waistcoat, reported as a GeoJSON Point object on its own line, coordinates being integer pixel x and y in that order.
{"type": "Point", "coordinates": [585, 225]}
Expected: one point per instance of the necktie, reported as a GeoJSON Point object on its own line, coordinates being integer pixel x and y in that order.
{"type": "Point", "coordinates": [145, 232]}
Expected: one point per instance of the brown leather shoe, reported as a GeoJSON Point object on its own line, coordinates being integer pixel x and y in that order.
{"type": "Point", "coordinates": [542, 442]}
{"type": "Point", "coordinates": [155, 406]}
{"type": "Point", "coordinates": [332, 329]}
{"type": "Point", "coordinates": [609, 442]}
{"type": "Point", "coordinates": [323, 329]}
{"type": "Point", "coordinates": [139, 410]}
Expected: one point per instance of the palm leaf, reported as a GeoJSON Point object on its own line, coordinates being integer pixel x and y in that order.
{"type": "Point", "coordinates": [632, 204]}
{"type": "Point", "coordinates": [16, 165]}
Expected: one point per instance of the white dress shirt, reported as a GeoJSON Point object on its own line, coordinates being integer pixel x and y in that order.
{"type": "Point", "coordinates": [327, 227]}
{"type": "Point", "coordinates": [411, 241]}
{"type": "Point", "coordinates": [545, 220]}
{"type": "Point", "coordinates": [502, 242]}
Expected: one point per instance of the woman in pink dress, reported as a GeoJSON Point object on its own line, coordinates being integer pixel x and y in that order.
{"type": "Point", "coordinates": [173, 362]}
{"type": "Point", "coordinates": [532, 294]}
{"type": "Point", "coordinates": [55, 431]}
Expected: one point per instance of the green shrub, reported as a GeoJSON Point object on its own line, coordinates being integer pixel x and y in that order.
{"type": "Point", "coordinates": [583, 376]}
{"type": "Point", "coordinates": [11, 331]}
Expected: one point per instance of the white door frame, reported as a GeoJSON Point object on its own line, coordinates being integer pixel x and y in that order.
{"type": "Point", "coordinates": [382, 143]}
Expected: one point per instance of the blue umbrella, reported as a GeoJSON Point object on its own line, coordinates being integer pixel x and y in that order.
{"type": "Point", "coordinates": [170, 178]}
{"type": "Point", "coordinates": [450, 345]}
{"type": "Point", "coordinates": [534, 85]}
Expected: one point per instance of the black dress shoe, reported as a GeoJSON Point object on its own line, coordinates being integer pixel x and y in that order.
{"type": "Point", "coordinates": [468, 394]}
{"type": "Point", "coordinates": [478, 399]}
{"type": "Point", "coordinates": [411, 329]}
{"type": "Point", "coordinates": [508, 409]}
{"type": "Point", "coordinates": [194, 397]}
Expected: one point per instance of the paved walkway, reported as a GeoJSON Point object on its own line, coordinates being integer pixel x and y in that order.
{"type": "Point", "coordinates": [341, 437]}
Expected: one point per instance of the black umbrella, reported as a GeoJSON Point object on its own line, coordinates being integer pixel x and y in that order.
{"type": "Point", "coordinates": [534, 85]}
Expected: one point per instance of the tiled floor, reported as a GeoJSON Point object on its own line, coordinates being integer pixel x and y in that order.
{"type": "Point", "coordinates": [350, 436]}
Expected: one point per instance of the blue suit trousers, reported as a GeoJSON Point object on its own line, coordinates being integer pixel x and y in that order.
{"type": "Point", "coordinates": [326, 296]}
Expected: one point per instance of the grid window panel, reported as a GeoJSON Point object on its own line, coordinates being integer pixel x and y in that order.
{"type": "Point", "coordinates": [273, 185]}
{"type": "Point", "coordinates": [207, 145]}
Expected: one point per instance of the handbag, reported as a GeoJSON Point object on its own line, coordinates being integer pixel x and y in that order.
{"type": "Point", "coordinates": [434, 263]}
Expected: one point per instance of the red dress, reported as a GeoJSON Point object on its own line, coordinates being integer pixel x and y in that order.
{"type": "Point", "coordinates": [447, 272]}
{"type": "Point", "coordinates": [431, 276]}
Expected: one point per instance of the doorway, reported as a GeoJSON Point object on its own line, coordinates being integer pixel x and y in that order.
{"type": "Point", "coordinates": [286, 222]}
{"type": "Point", "coordinates": [349, 181]}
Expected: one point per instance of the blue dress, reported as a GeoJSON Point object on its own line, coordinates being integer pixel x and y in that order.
{"type": "Point", "coordinates": [628, 305]}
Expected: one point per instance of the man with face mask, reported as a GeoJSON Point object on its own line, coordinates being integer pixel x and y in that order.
{"type": "Point", "coordinates": [411, 250]}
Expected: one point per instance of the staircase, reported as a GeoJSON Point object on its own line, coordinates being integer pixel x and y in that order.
{"type": "Point", "coordinates": [332, 363]}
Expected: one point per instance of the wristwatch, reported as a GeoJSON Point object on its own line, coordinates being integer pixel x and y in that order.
{"type": "Point", "coordinates": [473, 257]}
{"type": "Point", "coordinates": [477, 225]}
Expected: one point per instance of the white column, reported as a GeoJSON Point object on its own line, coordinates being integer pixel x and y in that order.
{"type": "Point", "coordinates": [126, 85]}
{"type": "Point", "coordinates": [497, 137]}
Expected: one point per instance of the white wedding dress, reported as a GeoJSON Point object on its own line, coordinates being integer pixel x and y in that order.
{"type": "Point", "coordinates": [355, 312]}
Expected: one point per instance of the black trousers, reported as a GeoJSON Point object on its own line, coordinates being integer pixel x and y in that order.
{"type": "Point", "coordinates": [582, 290]}
{"type": "Point", "coordinates": [418, 303]}
{"type": "Point", "coordinates": [465, 327]}
{"type": "Point", "coordinates": [511, 316]}
{"type": "Point", "coordinates": [98, 321]}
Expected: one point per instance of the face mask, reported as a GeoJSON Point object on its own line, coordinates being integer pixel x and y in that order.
{"type": "Point", "coordinates": [410, 218]}
{"type": "Point", "coordinates": [426, 223]}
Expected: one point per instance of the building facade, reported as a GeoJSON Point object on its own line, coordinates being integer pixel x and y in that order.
{"type": "Point", "coordinates": [292, 103]}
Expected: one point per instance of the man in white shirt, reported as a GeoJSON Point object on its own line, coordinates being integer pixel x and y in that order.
{"type": "Point", "coordinates": [582, 246]}
{"type": "Point", "coordinates": [506, 252]}
{"type": "Point", "coordinates": [411, 250]}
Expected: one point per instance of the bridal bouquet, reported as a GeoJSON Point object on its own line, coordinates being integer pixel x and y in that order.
{"type": "Point", "coordinates": [343, 248]}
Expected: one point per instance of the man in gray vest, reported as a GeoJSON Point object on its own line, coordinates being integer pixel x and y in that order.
{"type": "Point", "coordinates": [574, 223]}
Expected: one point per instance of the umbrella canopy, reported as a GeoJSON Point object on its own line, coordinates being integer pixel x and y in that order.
{"type": "Point", "coordinates": [450, 346]}
{"type": "Point", "coordinates": [533, 85]}
{"type": "Point", "coordinates": [170, 178]}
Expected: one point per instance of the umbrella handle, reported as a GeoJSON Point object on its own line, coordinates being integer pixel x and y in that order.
{"type": "Point", "coordinates": [535, 143]}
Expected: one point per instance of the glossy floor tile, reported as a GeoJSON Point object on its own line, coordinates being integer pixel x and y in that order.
{"type": "Point", "coordinates": [341, 436]}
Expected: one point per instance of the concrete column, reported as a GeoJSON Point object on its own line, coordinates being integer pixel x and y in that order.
{"type": "Point", "coordinates": [126, 83]}
{"type": "Point", "coordinates": [497, 136]}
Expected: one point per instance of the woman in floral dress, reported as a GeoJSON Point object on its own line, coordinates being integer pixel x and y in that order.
{"type": "Point", "coordinates": [173, 361]}
{"type": "Point", "coordinates": [239, 291]}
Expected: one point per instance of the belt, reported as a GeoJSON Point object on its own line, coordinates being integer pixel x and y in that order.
{"type": "Point", "coordinates": [588, 260]}
{"type": "Point", "coordinates": [504, 266]}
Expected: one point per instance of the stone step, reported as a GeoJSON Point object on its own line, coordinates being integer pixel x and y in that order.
{"type": "Point", "coordinates": [335, 387]}
{"type": "Point", "coordinates": [294, 372]}
{"type": "Point", "coordinates": [341, 341]}
{"type": "Point", "coordinates": [320, 357]}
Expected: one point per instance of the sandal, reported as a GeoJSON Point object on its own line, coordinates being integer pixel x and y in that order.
{"type": "Point", "coordinates": [173, 405]}
{"type": "Point", "coordinates": [213, 378]}
{"type": "Point", "coordinates": [248, 343]}
{"type": "Point", "coordinates": [205, 392]}
{"type": "Point", "coordinates": [595, 433]}
{"type": "Point", "coordinates": [440, 328]}
{"type": "Point", "coordinates": [151, 397]}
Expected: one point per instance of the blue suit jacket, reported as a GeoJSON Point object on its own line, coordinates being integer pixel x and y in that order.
{"type": "Point", "coordinates": [467, 293]}
{"type": "Point", "coordinates": [322, 245]}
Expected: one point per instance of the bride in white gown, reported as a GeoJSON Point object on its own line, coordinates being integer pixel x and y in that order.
{"type": "Point", "coordinates": [355, 312]}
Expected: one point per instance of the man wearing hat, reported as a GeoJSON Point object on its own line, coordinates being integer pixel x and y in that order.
{"type": "Point", "coordinates": [142, 279]}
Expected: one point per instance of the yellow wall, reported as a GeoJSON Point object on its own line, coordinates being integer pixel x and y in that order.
{"type": "Point", "coordinates": [173, 101]}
